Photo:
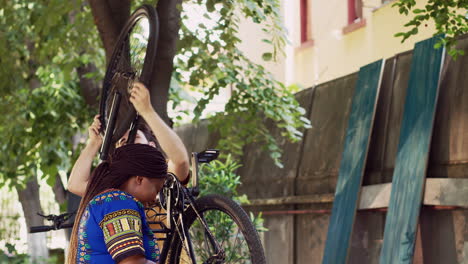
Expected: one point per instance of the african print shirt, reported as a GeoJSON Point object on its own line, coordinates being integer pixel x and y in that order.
{"type": "Point", "coordinates": [112, 228]}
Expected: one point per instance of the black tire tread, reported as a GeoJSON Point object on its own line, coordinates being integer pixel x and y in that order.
{"type": "Point", "coordinates": [145, 77]}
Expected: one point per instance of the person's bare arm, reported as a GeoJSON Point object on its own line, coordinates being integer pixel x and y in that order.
{"type": "Point", "coordinates": [82, 168]}
{"type": "Point", "coordinates": [167, 138]}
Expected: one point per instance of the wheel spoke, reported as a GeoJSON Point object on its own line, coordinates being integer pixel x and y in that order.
{"type": "Point", "coordinates": [229, 228]}
{"type": "Point", "coordinates": [240, 244]}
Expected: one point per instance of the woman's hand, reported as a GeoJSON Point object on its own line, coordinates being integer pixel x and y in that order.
{"type": "Point", "coordinates": [140, 98]}
{"type": "Point", "coordinates": [168, 139]}
{"type": "Point", "coordinates": [95, 138]}
{"type": "Point", "coordinates": [81, 170]}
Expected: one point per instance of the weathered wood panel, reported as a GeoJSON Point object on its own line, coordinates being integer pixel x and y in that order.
{"type": "Point", "coordinates": [323, 143]}
{"type": "Point", "coordinates": [413, 152]}
{"type": "Point", "coordinates": [353, 162]}
{"type": "Point", "coordinates": [374, 173]}
{"type": "Point", "coordinates": [281, 181]}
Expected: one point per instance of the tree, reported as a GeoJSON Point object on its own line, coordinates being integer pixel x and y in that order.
{"type": "Point", "coordinates": [53, 60]}
{"type": "Point", "coordinates": [42, 50]}
{"type": "Point", "coordinates": [209, 60]}
{"type": "Point", "coordinates": [449, 16]}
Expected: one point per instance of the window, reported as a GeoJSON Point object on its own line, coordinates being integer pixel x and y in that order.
{"type": "Point", "coordinates": [354, 11]}
{"type": "Point", "coordinates": [306, 21]}
{"type": "Point", "coordinates": [355, 17]}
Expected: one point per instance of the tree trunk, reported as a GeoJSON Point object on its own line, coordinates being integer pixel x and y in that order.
{"type": "Point", "coordinates": [30, 201]}
{"type": "Point", "coordinates": [109, 17]}
{"type": "Point", "coordinates": [89, 88]}
{"type": "Point", "coordinates": [59, 190]}
{"type": "Point", "coordinates": [169, 24]}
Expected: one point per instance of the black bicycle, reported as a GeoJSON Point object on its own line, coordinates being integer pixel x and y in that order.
{"type": "Point", "coordinates": [210, 229]}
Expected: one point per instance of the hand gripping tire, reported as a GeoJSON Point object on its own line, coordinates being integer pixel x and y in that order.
{"type": "Point", "coordinates": [132, 60]}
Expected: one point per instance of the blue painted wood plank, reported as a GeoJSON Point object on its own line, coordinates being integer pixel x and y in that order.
{"type": "Point", "coordinates": [412, 156]}
{"type": "Point", "coordinates": [352, 163]}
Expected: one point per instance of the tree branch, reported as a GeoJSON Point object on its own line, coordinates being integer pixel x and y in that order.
{"type": "Point", "coordinates": [169, 19]}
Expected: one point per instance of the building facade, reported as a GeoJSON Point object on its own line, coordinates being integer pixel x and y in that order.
{"type": "Point", "coordinates": [331, 39]}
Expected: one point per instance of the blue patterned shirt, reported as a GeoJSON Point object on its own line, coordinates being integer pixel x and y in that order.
{"type": "Point", "coordinates": [112, 228]}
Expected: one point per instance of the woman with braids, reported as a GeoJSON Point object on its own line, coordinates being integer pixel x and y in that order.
{"type": "Point", "coordinates": [127, 187]}
{"type": "Point", "coordinates": [167, 140]}
{"type": "Point", "coordinates": [110, 225]}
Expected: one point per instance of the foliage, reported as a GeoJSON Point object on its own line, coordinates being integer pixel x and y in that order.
{"type": "Point", "coordinates": [449, 16]}
{"type": "Point", "coordinates": [41, 45]}
{"type": "Point", "coordinates": [12, 256]}
{"type": "Point", "coordinates": [219, 177]}
{"type": "Point", "coordinates": [9, 220]}
{"type": "Point", "coordinates": [43, 42]}
{"type": "Point", "coordinates": [210, 60]}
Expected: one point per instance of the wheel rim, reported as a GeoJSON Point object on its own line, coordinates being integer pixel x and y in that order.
{"type": "Point", "coordinates": [132, 60]}
{"type": "Point", "coordinates": [228, 234]}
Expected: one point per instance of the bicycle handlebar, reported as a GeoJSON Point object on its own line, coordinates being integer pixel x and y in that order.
{"type": "Point", "coordinates": [37, 229]}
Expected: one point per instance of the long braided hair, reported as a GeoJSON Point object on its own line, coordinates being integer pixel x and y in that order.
{"type": "Point", "coordinates": [127, 161]}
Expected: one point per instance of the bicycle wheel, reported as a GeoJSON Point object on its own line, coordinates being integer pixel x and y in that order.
{"type": "Point", "coordinates": [132, 59]}
{"type": "Point", "coordinates": [230, 226]}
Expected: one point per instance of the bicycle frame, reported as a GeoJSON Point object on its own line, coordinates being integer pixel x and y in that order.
{"type": "Point", "coordinates": [186, 198]}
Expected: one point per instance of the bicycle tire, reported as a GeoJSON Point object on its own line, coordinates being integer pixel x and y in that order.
{"type": "Point", "coordinates": [229, 211]}
{"type": "Point", "coordinates": [121, 62]}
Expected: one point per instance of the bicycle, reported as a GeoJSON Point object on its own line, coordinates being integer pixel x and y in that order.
{"type": "Point", "coordinates": [186, 218]}
{"type": "Point", "coordinates": [224, 231]}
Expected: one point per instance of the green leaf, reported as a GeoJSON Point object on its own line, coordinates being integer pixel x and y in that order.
{"type": "Point", "coordinates": [399, 34]}
{"type": "Point", "coordinates": [267, 56]}
{"type": "Point", "coordinates": [210, 5]}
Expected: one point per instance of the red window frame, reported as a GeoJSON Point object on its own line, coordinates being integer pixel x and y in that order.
{"type": "Point", "coordinates": [305, 26]}
{"type": "Point", "coordinates": [355, 16]}
{"type": "Point", "coordinates": [353, 12]}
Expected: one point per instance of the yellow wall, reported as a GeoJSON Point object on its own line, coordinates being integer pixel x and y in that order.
{"type": "Point", "coordinates": [253, 47]}
{"type": "Point", "coordinates": [335, 54]}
